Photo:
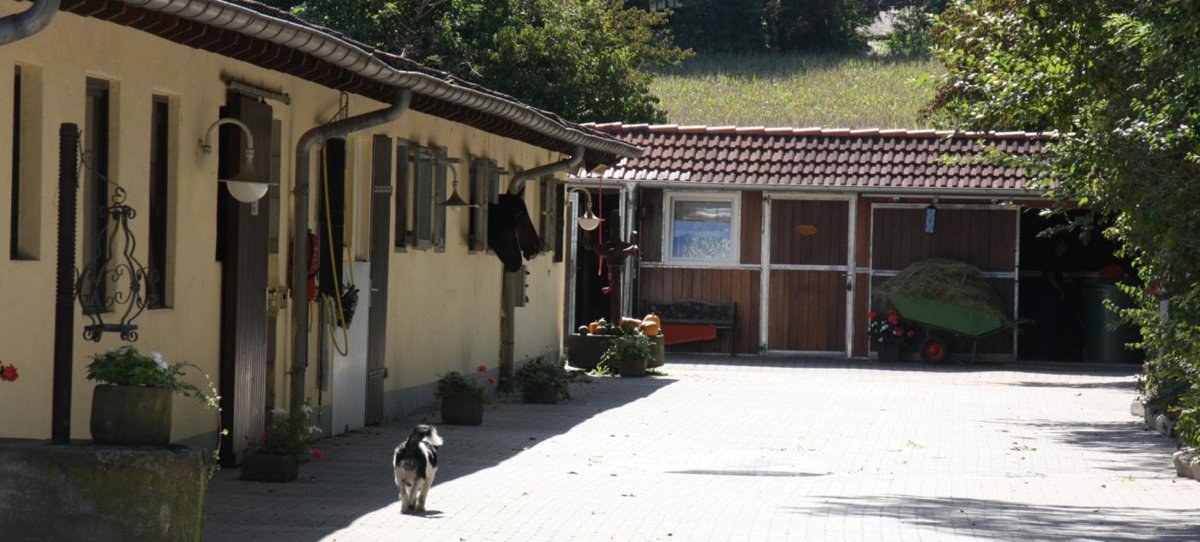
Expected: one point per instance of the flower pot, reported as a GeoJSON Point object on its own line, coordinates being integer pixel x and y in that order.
{"type": "Point", "coordinates": [633, 367]}
{"type": "Point", "coordinates": [660, 352]}
{"type": "Point", "coordinates": [888, 351]}
{"type": "Point", "coordinates": [131, 415]}
{"type": "Point", "coordinates": [584, 351]}
{"type": "Point", "coordinates": [270, 468]}
{"type": "Point", "coordinates": [542, 394]}
{"type": "Point", "coordinates": [462, 410]}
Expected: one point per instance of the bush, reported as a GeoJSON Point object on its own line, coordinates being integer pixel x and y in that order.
{"type": "Point", "coordinates": [539, 374]}
{"type": "Point", "coordinates": [455, 383]}
{"type": "Point", "coordinates": [627, 347]}
{"type": "Point", "coordinates": [286, 434]}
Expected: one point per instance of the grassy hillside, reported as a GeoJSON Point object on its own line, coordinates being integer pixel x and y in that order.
{"type": "Point", "coordinates": [797, 90]}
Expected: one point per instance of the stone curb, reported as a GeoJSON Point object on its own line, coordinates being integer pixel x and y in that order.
{"type": "Point", "coordinates": [1187, 463]}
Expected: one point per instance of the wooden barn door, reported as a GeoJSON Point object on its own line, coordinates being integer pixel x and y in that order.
{"type": "Point", "coordinates": [381, 251]}
{"type": "Point", "coordinates": [242, 247]}
{"type": "Point", "coordinates": [808, 262]}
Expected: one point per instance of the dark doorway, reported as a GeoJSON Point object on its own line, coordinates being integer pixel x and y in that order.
{"type": "Point", "coordinates": [591, 303]}
{"type": "Point", "coordinates": [1063, 279]}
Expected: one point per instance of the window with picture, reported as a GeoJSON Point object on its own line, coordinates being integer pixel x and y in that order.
{"type": "Point", "coordinates": [702, 228]}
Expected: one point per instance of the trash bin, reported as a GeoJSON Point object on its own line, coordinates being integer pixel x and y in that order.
{"type": "Point", "coordinates": [1107, 333]}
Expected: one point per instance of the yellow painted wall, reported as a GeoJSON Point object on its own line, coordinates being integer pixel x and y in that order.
{"type": "Point", "coordinates": [444, 307]}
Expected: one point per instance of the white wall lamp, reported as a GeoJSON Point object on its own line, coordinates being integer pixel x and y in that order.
{"type": "Point", "coordinates": [244, 187]}
{"type": "Point", "coordinates": [588, 221]}
{"type": "Point", "coordinates": [455, 201]}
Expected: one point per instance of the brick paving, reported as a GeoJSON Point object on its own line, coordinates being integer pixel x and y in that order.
{"type": "Point", "coordinates": [754, 449]}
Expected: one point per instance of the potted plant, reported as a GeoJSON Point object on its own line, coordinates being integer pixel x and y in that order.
{"type": "Point", "coordinates": [275, 455]}
{"type": "Point", "coordinates": [888, 335]}
{"type": "Point", "coordinates": [543, 381]}
{"type": "Point", "coordinates": [463, 397]}
{"type": "Point", "coordinates": [629, 354]}
{"type": "Point", "coordinates": [132, 403]}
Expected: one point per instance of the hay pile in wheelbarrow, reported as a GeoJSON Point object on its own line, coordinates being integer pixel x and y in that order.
{"type": "Point", "coordinates": [945, 280]}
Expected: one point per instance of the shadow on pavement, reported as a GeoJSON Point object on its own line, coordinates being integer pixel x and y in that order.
{"type": "Point", "coordinates": [985, 519]}
{"type": "Point", "coordinates": [1137, 447]}
{"type": "Point", "coordinates": [355, 478]}
{"type": "Point", "coordinates": [1033, 367]}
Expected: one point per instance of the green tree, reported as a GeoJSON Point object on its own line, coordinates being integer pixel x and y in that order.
{"type": "Point", "coordinates": [1118, 80]}
{"type": "Point", "coordinates": [587, 60]}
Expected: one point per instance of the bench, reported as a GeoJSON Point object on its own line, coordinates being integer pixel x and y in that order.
{"type": "Point", "coordinates": [718, 315]}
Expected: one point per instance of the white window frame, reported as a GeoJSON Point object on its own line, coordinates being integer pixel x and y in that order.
{"type": "Point", "coordinates": [735, 202]}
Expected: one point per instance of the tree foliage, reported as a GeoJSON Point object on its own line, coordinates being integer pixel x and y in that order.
{"type": "Point", "coordinates": [747, 26]}
{"type": "Point", "coordinates": [583, 59]}
{"type": "Point", "coordinates": [1118, 80]}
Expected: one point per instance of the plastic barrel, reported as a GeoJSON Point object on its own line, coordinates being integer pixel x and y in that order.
{"type": "Point", "coordinates": [1107, 334]}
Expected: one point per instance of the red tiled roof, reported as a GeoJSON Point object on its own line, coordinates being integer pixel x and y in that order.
{"type": "Point", "coordinates": [857, 160]}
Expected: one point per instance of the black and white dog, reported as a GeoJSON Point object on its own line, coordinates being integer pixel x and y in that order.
{"type": "Point", "coordinates": [415, 463]}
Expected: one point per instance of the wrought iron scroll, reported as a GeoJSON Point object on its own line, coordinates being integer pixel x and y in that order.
{"type": "Point", "coordinates": [114, 284]}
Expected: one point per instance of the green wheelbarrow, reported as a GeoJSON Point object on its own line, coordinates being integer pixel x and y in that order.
{"type": "Point", "coordinates": [950, 318]}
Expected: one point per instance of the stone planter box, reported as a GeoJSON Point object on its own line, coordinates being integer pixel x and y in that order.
{"type": "Point", "coordinates": [584, 351]}
{"type": "Point", "coordinates": [131, 415]}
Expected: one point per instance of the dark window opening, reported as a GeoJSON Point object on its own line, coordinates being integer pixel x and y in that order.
{"type": "Point", "coordinates": [160, 124]}
{"type": "Point", "coordinates": [95, 183]}
{"type": "Point", "coordinates": [401, 237]}
{"type": "Point", "coordinates": [14, 251]}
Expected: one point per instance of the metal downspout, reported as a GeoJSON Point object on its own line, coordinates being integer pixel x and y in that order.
{"type": "Point", "coordinates": [300, 227]}
{"type": "Point", "coordinates": [518, 183]}
{"type": "Point", "coordinates": [29, 22]}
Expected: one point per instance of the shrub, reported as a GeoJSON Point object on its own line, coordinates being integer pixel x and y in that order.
{"type": "Point", "coordinates": [455, 383]}
{"type": "Point", "coordinates": [540, 373]}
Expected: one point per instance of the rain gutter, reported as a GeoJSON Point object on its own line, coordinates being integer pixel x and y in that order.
{"type": "Point", "coordinates": [518, 183]}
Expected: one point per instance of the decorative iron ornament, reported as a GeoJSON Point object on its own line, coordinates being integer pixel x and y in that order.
{"type": "Point", "coordinates": [112, 283]}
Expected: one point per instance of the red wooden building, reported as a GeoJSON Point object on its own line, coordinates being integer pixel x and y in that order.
{"type": "Point", "coordinates": [796, 226]}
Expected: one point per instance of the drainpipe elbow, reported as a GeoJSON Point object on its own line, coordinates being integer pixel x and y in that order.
{"type": "Point", "coordinates": [29, 22]}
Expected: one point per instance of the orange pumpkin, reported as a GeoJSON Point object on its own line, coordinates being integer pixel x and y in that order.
{"type": "Point", "coordinates": [652, 318]}
{"type": "Point", "coordinates": [650, 329]}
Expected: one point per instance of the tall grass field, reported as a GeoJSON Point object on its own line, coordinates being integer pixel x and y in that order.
{"type": "Point", "coordinates": [828, 91]}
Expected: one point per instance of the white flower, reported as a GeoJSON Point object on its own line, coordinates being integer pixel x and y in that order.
{"type": "Point", "coordinates": [110, 350]}
{"type": "Point", "coordinates": [158, 360]}
{"type": "Point", "coordinates": [307, 409]}
{"type": "Point", "coordinates": [279, 412]}
{"type": "Point", "coordinates": [312, 429]}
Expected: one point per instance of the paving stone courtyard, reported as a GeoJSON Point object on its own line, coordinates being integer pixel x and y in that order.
{"type": "Point", "coordinates": [759, 449]}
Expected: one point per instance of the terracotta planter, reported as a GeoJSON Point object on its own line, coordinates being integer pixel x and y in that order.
{"type": "Point", "coordinates": [131, 415]}
{"type": "Point", "coordinates": [633, 367]}
{"type": "Point", "coordinates": [270, 468]}
{"type": "Point", "coordinates": [462, 410]}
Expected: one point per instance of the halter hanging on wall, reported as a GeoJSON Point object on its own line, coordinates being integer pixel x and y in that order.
{"type": "Point", "coordinates": [112, 283]}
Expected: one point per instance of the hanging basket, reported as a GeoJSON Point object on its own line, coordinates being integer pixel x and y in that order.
{"type": "Point", "coordinates": [131, 415]}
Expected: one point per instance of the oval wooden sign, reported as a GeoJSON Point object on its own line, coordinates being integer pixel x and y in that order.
{"type": "Point", "coordinates": [806, 229]}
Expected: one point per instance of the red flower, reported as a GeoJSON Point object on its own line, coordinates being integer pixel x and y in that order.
{"type": "Point", "coordinates": [317, 454]}
{"type": "Point", "coordinates": [9, 373]}
{"type": "Point", "coordinates": [898, 332]}
{"type": "Point", "coordinates": [481, 368]}
{"type": "Point", "coordinates": [492, 380]}
{"type": "Point", "coordinates": [911, 333]}
{"type": "Point", "coordinates": [872, 315]}
{"type": "Point", "coordinates": [893, 318]}
{"type": "Point", "coordinates": [263, 437]}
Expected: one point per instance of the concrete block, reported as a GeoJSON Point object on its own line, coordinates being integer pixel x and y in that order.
{"type": "Point", "coordinates": [1187, 463]}
{"type": "Point", "coordinates": [101, 493]}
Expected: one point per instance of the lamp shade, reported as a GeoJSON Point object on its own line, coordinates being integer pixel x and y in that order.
{"type": "Point", "coordinates": [588, 221]}
{"type": "Point", "coordinates": [246, 192]}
